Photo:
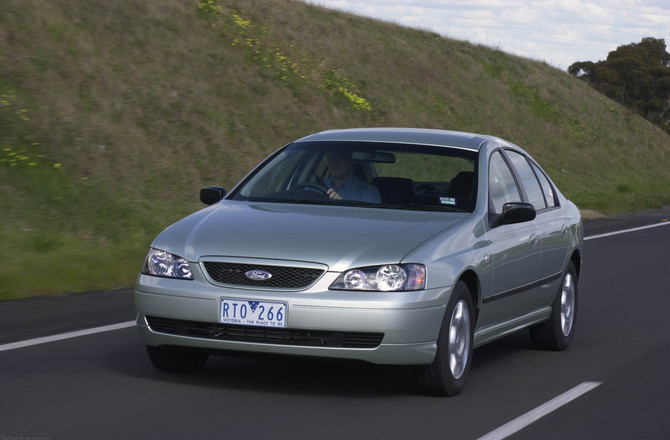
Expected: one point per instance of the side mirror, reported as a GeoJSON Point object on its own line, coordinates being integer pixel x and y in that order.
{"type": "Point", "coordinates": [211, 194]}
{"type": "Point", "coordinates": [513, 213]}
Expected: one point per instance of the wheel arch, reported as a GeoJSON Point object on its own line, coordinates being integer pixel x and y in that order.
{"type": "Point", "coordinates": [470, 278]}
{"type": "Point", "coordinates": [576, 259]}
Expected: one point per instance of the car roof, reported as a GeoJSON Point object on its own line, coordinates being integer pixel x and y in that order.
{"type": "Point", "coordinates": [420, 136]}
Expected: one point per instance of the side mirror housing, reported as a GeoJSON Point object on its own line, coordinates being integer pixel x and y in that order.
{"type": "Point", "coordinates": [212, 194]}
{"type": "Point", "coordinates": [513, 213]}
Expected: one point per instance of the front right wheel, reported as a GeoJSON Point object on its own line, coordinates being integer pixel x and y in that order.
{"type": "Point", "coordinates": [447, 374]}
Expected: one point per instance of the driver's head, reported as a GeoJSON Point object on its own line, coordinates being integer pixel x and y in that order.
{"type": "Point", "coordinates": [340, 164]}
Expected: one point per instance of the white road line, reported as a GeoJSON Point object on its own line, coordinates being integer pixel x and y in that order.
{"type": "Point", "coordinates": [625, 231]}
{"type": "Point", "coordinates": [76, 334]}
{"type": "Point", "coordinates": [530, 417]}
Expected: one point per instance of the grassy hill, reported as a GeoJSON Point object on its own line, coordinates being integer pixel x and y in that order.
{"type": "Point", "coordinates": [114, 114]}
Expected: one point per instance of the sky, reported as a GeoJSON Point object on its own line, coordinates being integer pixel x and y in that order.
{"type": "Point", "coordinates": [558, 32]}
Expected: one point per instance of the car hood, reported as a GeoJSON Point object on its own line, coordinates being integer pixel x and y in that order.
{"type": "Point", "coordinates": [339, 236]}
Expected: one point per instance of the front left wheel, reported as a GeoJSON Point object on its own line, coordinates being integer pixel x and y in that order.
{"type": "Point", "coordinates": [447, 375]}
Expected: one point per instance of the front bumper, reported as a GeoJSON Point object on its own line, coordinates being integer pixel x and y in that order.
{"type": "Point", "coordinates": [407, 323]}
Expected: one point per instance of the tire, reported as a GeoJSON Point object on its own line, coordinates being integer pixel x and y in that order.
{"type": "Point", "coordinates": [176, 360]}
{"type": "Point", "coordinates": [447, 375]}
{"type": "Point", "coordinates": [556, 334]}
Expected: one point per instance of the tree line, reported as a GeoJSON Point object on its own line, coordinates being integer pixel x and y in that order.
{"type": "Point", "coordinates": [637, 75]}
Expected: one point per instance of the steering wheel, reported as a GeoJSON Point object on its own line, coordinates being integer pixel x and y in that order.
{"type": "Point", "coordinates": [312, 185]}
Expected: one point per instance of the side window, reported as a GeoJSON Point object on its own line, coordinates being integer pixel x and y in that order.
{"type": "Point", "coordinates": [528, 180]}
{"type": "Point", "coordinates": [502, 187]}
{"type": "Point", "coordinates": [546, 187]}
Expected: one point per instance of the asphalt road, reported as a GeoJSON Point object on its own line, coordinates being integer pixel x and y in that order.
{"type": "Point", "coordinates": [102, 385]}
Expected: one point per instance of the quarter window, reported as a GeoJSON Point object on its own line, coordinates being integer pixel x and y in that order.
{"type": "Point", "coordinates": [546, 186]}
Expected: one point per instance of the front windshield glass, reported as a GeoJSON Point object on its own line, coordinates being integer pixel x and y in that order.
{"type": "Point", "coordinates": [372, 174]}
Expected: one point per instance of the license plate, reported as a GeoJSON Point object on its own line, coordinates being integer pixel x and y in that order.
{"type": "Point", "coordinates": [257, 313]}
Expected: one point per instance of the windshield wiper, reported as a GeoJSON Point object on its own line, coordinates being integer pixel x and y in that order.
{"type": "Point", "coordinates": [290, 200]}
{"type": "Point", "coordinates": [355, 203]}
{"type": "Point", "coordinates": [420, 207]}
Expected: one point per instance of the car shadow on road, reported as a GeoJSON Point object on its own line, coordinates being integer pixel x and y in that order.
{"type": "Point", "coordinates": [275, 374]}
{"type": "Point", "coordinates": [500, 351]}
{"type": "Point", "coordinates": [305, 376]}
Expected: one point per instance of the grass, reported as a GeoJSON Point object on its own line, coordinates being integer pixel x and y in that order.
{"type": "Point", "coordinates": [114, 114]}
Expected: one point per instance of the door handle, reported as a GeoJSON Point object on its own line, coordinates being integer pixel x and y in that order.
{"type": "Point", "coordinates": [533, 240]}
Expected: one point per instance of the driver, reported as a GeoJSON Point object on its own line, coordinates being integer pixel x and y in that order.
{"type": "Point", "coordinates": [343, 183]}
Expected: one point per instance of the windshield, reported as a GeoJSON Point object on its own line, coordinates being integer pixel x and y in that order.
{"type": "Point", "coordinates": [372, 174]}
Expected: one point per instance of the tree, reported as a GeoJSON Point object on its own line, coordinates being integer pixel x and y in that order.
{"type": "Point", "coordinates": [637, 75]}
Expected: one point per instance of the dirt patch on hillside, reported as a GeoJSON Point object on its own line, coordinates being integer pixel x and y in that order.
{"type": "Point", "coordinates": [590, 214]}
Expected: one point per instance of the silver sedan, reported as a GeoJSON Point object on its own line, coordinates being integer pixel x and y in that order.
{"type": "Point", "coordinates": [386, 245]}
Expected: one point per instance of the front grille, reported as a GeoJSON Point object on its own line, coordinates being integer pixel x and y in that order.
{"type": "Point", "coordinates": [282, 277]}
{"type": "Point", "coordinates": [265, 335]}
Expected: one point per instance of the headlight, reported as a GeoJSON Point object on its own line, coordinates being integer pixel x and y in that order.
{"type": "Point", "coordinates": [164, 264]}
{"type": "Point", "coordinates": [388, 278]}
